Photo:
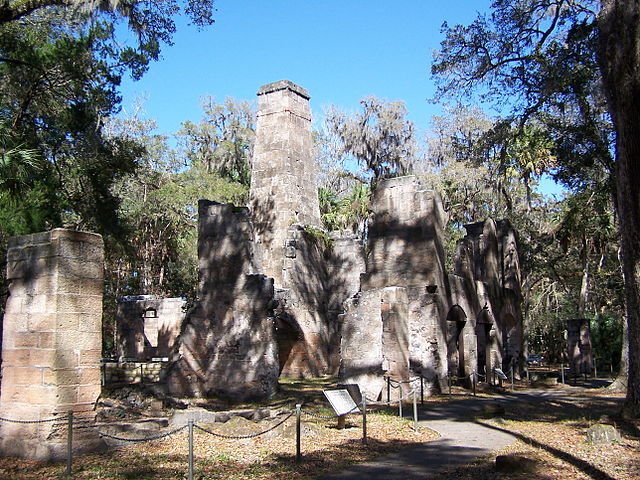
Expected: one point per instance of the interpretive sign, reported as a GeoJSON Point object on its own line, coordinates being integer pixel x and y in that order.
{"type": "Point", "coordinates": [341, 401]}
{"type": "Point", "coordinates": [500, 374]}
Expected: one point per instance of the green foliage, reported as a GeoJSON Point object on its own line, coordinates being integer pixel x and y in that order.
{"type": "Point", "coordinates": [348, 213]}
{"type": "Point", "coordinates": [379, 137]}
{"type": "Point", "coordinates": [319, 236]}
{"type": "Point", "coordinates": [223, 140]}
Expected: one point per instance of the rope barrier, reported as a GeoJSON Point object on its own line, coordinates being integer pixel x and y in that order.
{"type": "Point", "coordinates": [253, 435]}
{"type": "Point", "coordinates": [46, 420]}
{"type": "Point", "coordinates": [136, 440]}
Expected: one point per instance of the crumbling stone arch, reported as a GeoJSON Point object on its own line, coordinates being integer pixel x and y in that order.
{"type": "Point", "coordinates": [456, 321]}
{"type": "Point", "coordinates": [484, 322]}
{"type": "Point", "coordinates": [291, 346]}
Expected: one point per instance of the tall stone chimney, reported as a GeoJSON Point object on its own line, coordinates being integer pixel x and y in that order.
{"type": "Point", "coordinates": [284, 174]}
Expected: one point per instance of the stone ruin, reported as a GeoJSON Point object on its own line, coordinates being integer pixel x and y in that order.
{"type": "Point", "coordinates": [277, 296]}
{"type": "Point", "coordinates": [52, 341]}
{"type": "Point", "coordinates": [579, 350]}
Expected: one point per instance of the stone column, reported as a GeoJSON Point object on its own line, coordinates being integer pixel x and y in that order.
{"type": "Point", "coordinates": [52, 340]}
{"type": "Point", "coordinates": [283, 176]}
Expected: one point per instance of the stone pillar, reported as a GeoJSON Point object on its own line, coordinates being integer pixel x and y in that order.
{"type": "Point", "coordinates": [227, 346]}
{"type": "Point", "coordinates": [579, 350]}
{"type": "Point", "coordinates": [52, 340]}
{"type": "Point", "coordinates": [283, 176]}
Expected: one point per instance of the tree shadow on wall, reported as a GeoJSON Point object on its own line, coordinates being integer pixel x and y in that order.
{"type": "Point", "coordinates": [227, 344]}
{"type": "Point", "coordinates": [320, 278]}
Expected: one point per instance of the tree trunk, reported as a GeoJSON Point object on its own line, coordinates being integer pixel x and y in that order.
{"type": "Point", "coordinates": [620, 382]}
{"type": "Point", "coordinates": [619, 57]}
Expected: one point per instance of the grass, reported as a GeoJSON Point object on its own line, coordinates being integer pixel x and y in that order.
{"type": "Point", "coordinates": [550, 432]}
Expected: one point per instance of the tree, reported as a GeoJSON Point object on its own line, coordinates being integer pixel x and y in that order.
{"type": "Point", "coordinates": [380, 137]}
{"type": "Point", "coordinates": [619, 56]}
{"type": "Point", "coordinates": [558, 61]}
{"type": "Point", "coordinates": [223, 140]}
{"type": "Point", "coordinates": [153, 23]}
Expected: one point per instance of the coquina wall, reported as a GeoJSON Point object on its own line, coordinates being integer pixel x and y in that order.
{"type": "Point", "coordinates": [52, 341]}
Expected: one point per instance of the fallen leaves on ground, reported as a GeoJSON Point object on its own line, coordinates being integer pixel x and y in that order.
{"type": "Point", "coordinates": [267, 457]}
{"type": "Point", "coordinates": [553, 434]}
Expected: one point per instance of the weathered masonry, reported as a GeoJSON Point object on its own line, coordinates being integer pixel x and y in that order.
{"type": "Point", "coordinates": [281, 297]}
{"type": "Point", "coordinates": [52, 340]}
{"type": "Point", "coordinates": [277, 296]}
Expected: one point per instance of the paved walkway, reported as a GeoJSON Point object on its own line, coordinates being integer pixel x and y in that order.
{"type": "Point", "coordinates": [461, 442]}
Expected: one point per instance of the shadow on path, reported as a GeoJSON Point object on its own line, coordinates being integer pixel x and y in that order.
{"type": "Point", "coordinates": [464, 438]}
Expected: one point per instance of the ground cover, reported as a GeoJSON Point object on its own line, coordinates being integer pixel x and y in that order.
{"type": "Point", "coordinates": [553, 433]}
{"type": "Point", "coordinates": [271, 456]}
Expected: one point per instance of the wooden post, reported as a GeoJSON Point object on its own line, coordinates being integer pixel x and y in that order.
{"type": "Point", "coordinates": [415, 410]}
{"type": "Point", "coordinates": [190, 475]}
{"type": "Point", "coordinates": [388, 390]}
{"type": "Point", "coordinates": [69, 442]}
{"type": "Point", "coordinates": [473, 381]}
{"type": "Point", "coordinates": [298, 454]}
{"type": "Point", "coordinates": [364, 419]}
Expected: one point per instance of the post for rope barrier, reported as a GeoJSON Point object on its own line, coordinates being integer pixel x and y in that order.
{"type": "Point", "coordinates": [69, 442]}
{"type": "Point", "coordinates": [388, 390]}
{"type": "Point", "coordinates": [415, 410]}
{"type": "Point", "coordinates": [421, 390]}
{"type": "Point", "coordinates": [527, 370]}
{"type": "Point", "coordinates": [512, 387]}
{"type": "Point", "coordinates": [190, 477]}
{"type": "Point", "coordinates": [562, 372]}
{"type": "Point", "coordinates": [474, 379]}
{"type": "Point", "coordinates": [400, 401]}
{"type": "Point", "coordinates": [449, 382]}
{"type": "Point", "coordinates": [595, 368]}
{"type": "Point", "coordinates": [298, 454]}
{"type": "Point", "coordinates": [364, 419]}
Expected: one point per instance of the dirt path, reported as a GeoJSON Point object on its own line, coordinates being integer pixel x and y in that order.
{"type": "Point", "coordinates": [462, 440]}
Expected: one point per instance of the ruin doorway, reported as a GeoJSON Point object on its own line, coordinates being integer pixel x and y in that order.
{"type": "Point", "coordinates": [483, 327]}
{"type": "Point", "coordinates": [456, 321]}
{"type": "Point", "coordinates": [510, 341]}
{"type": "Point", "coordinates": [291, 347]}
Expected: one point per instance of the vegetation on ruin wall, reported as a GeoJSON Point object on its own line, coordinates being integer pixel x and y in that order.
{"type": "Point", "coordinates": [66, 162]}
{"type": "Point", "coordinates": [571, 71]}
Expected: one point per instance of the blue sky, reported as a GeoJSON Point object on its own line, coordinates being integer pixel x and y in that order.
{"type": "Point", "coordinates": [339, 50]}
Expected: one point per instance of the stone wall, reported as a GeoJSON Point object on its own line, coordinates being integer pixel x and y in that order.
{"type": "Point", "coordinates": [283, 176]}
{"type": "Point", "coordinates": [227, 346]}
{"type": "Point", "coordinates": [133, 372]}
{"type": "Point", "coordinates": [52, 340]}
{"type": "Point", "coordinates": [457, 323]}
{"type": "Point", "coordinates": [579, 350]}
{"type": "Point", "coordinates": [148, 327]}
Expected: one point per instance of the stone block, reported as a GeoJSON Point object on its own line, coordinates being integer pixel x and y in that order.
{"type": "Point", "coordinates": [16, 358]}
{"type": "Point", "coordinates": [42, 322]}
{"type": "Point", "coordinates": [43, 357]}
{"type": "Point", "coordinates": [25, 340]}
{"type": "Point", "coordinates": [22, 375]}
{"type": "Point", "coordinates": [68, 321]}
{"type": "Point", "coordinates": [90, 357]}
{"type": "Point", "coordinates": [88, 394]}
{"type": "Point", "coordinates": [46, 339]}
{"type": "Point", "coordinates": [603, 434]}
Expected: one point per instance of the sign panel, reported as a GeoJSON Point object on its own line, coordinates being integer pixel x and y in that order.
{"type": "Point", "coordinates": [500, 374]}
{"type": "Point", "coordinates": [341, 401]}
